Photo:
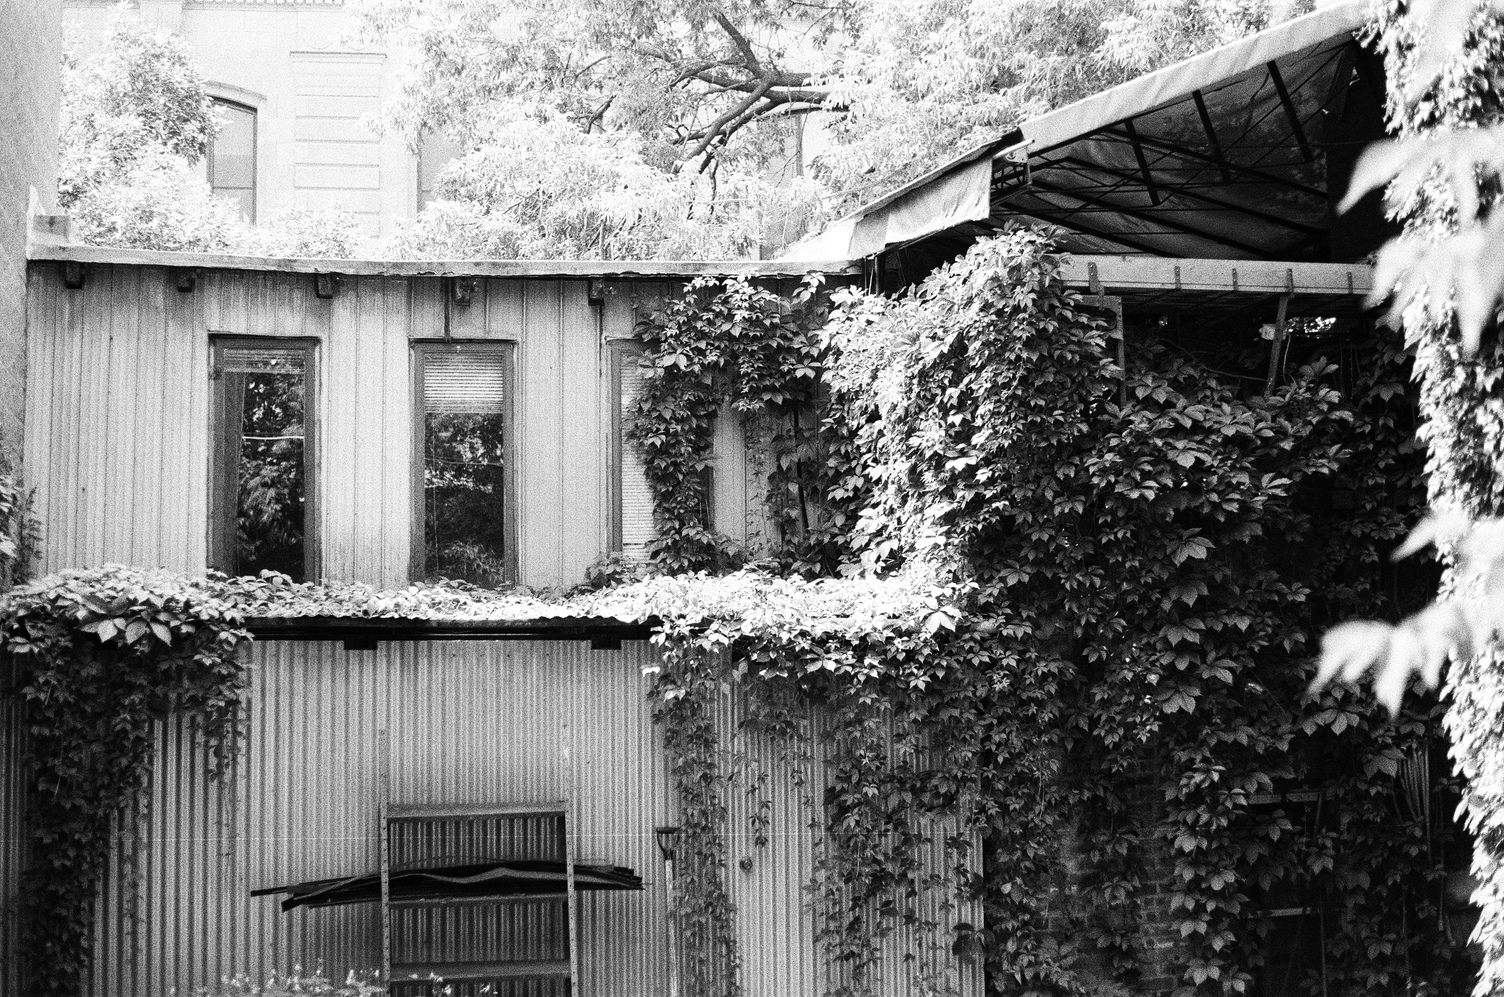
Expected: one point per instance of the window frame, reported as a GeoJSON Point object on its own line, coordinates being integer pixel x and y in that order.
{"type": "Point", "coordinates": [220, 495]}
{"type": "Point", "coordinates": [255, 114]}
{"type": "Point", "coordinates": [421, 350]}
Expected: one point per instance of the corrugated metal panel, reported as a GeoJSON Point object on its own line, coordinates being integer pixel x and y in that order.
{"type": "Point", "coordinates": [118, 413]}
{"type": "Point", "coordinates": [473, 722]}
{"type": "Point", "coordinates": [12, 831]}
{"type": "Point", "coordinates": [779, 952]}
{"type": "Point", "coordinates": [469, 721]}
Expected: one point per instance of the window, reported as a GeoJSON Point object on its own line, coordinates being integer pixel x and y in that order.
{"type": "Point", "coordinates": [632, 530]}
{"type": "Point", "coordinates": [262, 472]}
{"type": "Point", "coordinates": [435, 152]}
{"type": "Point", "coordinates": [232, 155]}
{"type": "Point", "coordinates": [463, 481]}
{"type": "Point", "coordinates": [632, 498]}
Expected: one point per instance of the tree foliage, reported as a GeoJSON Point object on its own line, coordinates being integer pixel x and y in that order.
{"type": "Point", "coordinates": [1443, 173]}
{"type": "Point", "coordinates": [691, 112]}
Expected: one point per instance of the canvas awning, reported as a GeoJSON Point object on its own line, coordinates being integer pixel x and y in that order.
{"type": "Point", "coordinates": [513, 879]}
{"type": "Point", "coordinates": [1238, 153]}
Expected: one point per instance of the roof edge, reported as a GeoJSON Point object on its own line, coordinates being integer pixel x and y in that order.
{"type": "Point", "coordinates": [443, 268]}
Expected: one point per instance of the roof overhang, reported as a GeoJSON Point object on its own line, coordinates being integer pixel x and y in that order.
{"type": "Point", "coordinates": [1234, 153]}
{"type": "Point", "coordinates": [647, 269]}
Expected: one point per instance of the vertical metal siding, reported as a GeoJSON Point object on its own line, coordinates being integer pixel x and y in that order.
{"type": "Point", "coordinates": [117, 427]}
{"type": "Point", "coordinates": [469, 721]}
{"type": "Point", "coordinates": [474, 722]}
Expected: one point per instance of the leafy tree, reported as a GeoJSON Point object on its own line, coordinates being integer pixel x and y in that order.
{"type": "Point", "coordinates": [601, 127]}
{"type": "Point", "coordinates": [688, 75]}
{"type": "Point", "coordinates": [135, 119]}
{"type": "Point", "coordinates": [542, 188]}
{"type": "Point", "coordinates": [1445, 273]}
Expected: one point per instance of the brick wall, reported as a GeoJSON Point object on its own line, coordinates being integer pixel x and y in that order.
{"type": "Point", "coordinates": [30, 45]}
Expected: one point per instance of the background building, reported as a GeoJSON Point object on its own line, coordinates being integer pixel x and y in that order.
{"type": "Point", "coordinates": [297, 94]}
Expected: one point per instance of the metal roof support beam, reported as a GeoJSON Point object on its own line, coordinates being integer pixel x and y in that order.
{"type": "Point", "coordinates": [1172, 190]}
{"type": "Point", "coordinates": [1247, 171]}
{"type": "Point", "coordinates": [1121, 240]}
{"type": "Point", "coordinates": [1211, 136]}
{"type": "Point", "coordinates": [1290, 112]}
{"type": "Point", "coordinates": [1143, 163]}
{"type": "Point", "coordinates": [1145, 216]}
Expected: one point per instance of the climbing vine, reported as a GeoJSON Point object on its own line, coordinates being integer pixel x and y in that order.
{"type": "Point", "coordinates": [1100, 708]}
{"type": "Point", "coordinates": [103, 656]}
{"type": "Point", "coordinates": [735, 345]}
{"type": "Point", "coordinates": [19, 530]}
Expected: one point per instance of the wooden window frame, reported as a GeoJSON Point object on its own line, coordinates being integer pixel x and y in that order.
{"type": "Point", "coordinates": [623, 351]}
{"type": "Point", "coordinates": [421, 350]}
{"type": "Point", "coordinates": [221, 494]}
{"type": "Point", "coordinates": [255, 151]}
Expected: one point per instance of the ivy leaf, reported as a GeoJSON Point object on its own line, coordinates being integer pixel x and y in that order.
{"type": "Point", "coordinates": [1190, 546]}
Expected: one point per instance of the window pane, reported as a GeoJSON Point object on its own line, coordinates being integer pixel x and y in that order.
{"type": "Point", "coordinates": [232, 155]}
{"type": "Point", "coordinates": [464, 473]}
{"type": "Point", "coordinates": [270, 501]}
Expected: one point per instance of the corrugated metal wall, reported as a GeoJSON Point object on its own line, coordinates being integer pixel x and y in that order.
{"type": "Point", "coordinates": [118, 411]}
{"type": "Point", "coordinates": [780, 954]}
{"type": "Point", "coordinates": [471, 722]}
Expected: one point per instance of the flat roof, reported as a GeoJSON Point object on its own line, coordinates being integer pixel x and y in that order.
{"type": "Point", "coordinates": [444, 268]}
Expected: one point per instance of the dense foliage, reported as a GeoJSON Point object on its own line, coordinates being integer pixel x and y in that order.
{"type": "Point", "coordinates": [1106, 691]}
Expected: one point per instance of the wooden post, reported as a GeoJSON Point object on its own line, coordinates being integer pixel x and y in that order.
{"type": "Point", "coordinates": [673, 936]}
{"type": "Point", "coordinates": [1274, 345]}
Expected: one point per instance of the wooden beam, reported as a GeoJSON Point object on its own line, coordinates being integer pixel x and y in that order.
{"type": "Point", "coordinates": [446, 268]}
{"type": "Point", "coordinates": [1211, 136]}
{"type": "Point", "coordinates": [1143, 163]}
{"type": "Point", "coordinates": [1125, 274]}
{"type": "Point", "coordinates": [1290, 113]}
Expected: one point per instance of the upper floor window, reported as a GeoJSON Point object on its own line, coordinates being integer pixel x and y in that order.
{"type": "Point", "coordinates": [435, 152]}
{"type": "Point", "coordinates": [262, 470]}
{"type": "Point", "coordinates": [463, 478]}
{"type": "Point", "coordinates": [232, 155]}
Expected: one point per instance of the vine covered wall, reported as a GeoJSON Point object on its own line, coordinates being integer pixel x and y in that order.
{"type": "Point", "coordinates": [1125, 572]}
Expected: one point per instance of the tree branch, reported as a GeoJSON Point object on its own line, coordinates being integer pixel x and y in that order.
{"type": "Point", "coordinates": [738, 39]}
{"type": "Point", "coordinates": [717, 127]}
